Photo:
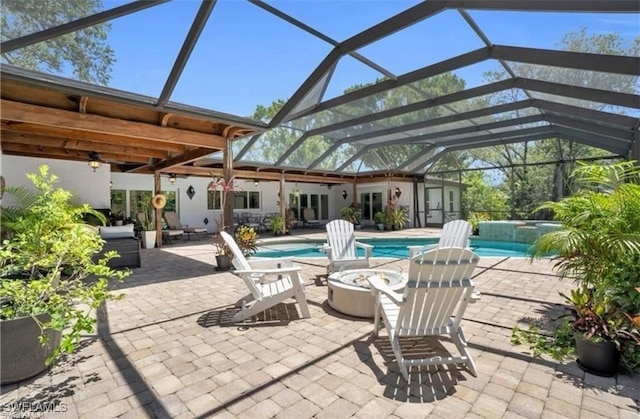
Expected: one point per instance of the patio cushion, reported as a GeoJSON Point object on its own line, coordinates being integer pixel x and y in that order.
{"type": "Point", "coordinates": [117, 232]}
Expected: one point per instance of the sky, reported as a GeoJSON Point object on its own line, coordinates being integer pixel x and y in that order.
{"type": "Point", "coordinates": [247, 56]}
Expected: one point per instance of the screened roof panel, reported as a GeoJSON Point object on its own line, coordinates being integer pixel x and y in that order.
{"type": "Point", "coordinates": [600, 106]}
{"type": "Point", "coordinates": [252, 54]}
{"type": "Point", "coordinates": [522, 24]}
{"type": "Point", "coordinates": [350, 74]}
{"type": "Point", "coordinates": [593, 79]}
{"type": "Point", "coordinates": [335, 18]}
{"type": "Point", "coordinates": [138, 64]}
{"type": "Point", "coordinates": [41, 18]}
{"type": "Point", "coordinates": [339, 157]}
{"type": "Point", "coordinates": [212, 77]}
{"type": "Point", "coordinates": [418, 45]}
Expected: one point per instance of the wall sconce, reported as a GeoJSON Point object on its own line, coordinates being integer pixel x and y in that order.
{"type": "Point", "coordinates": [172, 178]}
{"type": "Point", "coordinates": [94, 160]}
{"type": "Point", "coordinates": [344, 194]}
{"type": "Point", "coordinates": [329, 186]}
{"type": "Point", "coordinates": [398, 192]}
{"type": "Point", "coordinates": [256, 182]}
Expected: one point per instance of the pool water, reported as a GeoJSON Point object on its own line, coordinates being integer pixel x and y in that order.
{"type": "Point", "coordinates": [391, 248]}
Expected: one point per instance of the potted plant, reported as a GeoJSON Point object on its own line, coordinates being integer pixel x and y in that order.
{"type": "Point", "coordinates": [351, 214]}
{"type": "Point", "coordinates": [380, 219]}
{"type": "Point", "coordinates": [148, 233]}
{"type": "Point", "coordinates": [223, 254]}
{"type": "Point", "coordinates": [276, 224]}
{"type": "Point", "coordinates": [49, 284]}
{"type": "Point", "coordinates": [399, 217]}
{"type": "Point", "coordinates": [290, 220]}
{"type": "Point", "coordinates": [598, 246]}
{"type": "Point", "coordinates": [474, 220]}
{"type": "Point", "coordinates": [246, 238]}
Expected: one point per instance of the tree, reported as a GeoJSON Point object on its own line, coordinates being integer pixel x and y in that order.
{"type": "Point", "coordinates": [534, 184]}
{"type": "Point", "coordinates": [85, 51]}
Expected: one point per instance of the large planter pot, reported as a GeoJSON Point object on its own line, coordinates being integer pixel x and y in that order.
{"type": "Point", "coordinates": [223, 262]}
{"type": "Point", "coordinates": [148, 239]}
{"type": "Point", "coordinates": [381, 227]}
{"type": "Point", "coordinates": [21, 354]}
{"type": "Point", "coordinates": [600, 358]}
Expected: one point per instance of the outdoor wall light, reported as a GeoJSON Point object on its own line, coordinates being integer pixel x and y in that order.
{"type": "Point", "coordinates": [344, 194]}
{"type": "Point", "coordinates": [94, 160]}
{"type": "Point", "coordinates": [398, 192]}
{"type": "Point", "coordinates": [256, 182]}
{"type": "Point", "coordinates": [172, 178]}
{"type": "Point", "coordinates": [329, 186]}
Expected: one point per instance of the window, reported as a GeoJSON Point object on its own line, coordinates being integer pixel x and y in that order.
{"type": "Point", "coordinates": [138, 201]}
{"type": "Point", "coordinates": [118, 201]}
{"type": "Point", "coordinates": [241, 200]}
{"type": "Point", "coordinates": [451, 203]}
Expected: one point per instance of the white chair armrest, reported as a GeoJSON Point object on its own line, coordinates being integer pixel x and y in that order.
{"type": "Point", "coordinates": [367, 248]}
{"type": "Point", "coordinates": [269, 271]}
{"type": "Point", "coordinates": [378, 285]}
{"type": "Point", "coordinates": [286, 261]}
{"type": "Point", "coordinates": [415, 250]}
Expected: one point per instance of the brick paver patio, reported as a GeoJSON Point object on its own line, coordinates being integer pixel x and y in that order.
{"type": "Point", "coordinates": [167, 351]}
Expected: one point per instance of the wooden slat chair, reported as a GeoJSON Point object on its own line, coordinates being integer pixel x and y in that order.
{"type": "Point", "coordinates": [432, 303]}
{"type": "Point", "coordinates": [454, 234]}
{"type": "Point", "coordinates": [266, 293]}
{"type": "Point", "coordinates": [342, 247]}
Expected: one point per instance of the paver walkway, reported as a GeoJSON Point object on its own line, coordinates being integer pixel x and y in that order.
{"type": "Point", "coordinates": [165, 351]}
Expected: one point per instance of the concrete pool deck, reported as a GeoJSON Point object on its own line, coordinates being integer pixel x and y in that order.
{"type": "Point", "coordinates": [167, 351]}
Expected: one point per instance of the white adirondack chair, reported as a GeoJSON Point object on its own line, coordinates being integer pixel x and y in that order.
{"type": "Point", "coordinates": [266, 293]}
{"type": "Point", "coordinates": [342, 247]}
{"type": "Point", "coordinates": [454, 234]}
{"type": "Point", "coordinates": [432, 304]}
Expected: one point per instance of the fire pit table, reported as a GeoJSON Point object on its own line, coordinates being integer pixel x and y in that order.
{"type": "Point", "coordinates": [349, 293]}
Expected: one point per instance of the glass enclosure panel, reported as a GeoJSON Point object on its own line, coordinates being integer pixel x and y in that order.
{"type": "Point", "coordinates": [599, 106]}
{"type": "Point", "coordinates": [232, 70]}
{"type": "Point", "coordinates": [594, 79]}
{"type": "Point", "coordinates": [424, 43]}
{"type": "Point", "coordinates": [349, 75]}
{"type": "Point", "coordinates": [310, 149]}
{"type": "Point", "coordinates": [21, 18]}
{"type": "Point", "coordinates": [271, 145]}
{"type": "Point", "coordinates": [138, 63]}
{"type": "Point", "coordinates": [338, 157]}
{"type": "Point", "coordinates": [335, 18]}
{"type": "Point", "coordinates": [522, 26]}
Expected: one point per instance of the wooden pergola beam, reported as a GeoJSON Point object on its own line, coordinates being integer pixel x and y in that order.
{"type": "Point", "coordinates": [74, 144]}
{"type": "Point", "coordinates": [72, 121]}
{"type": "Point", "coordinates": [59, 153]}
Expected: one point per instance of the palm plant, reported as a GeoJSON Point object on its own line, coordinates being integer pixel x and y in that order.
{"type": "Point", "coordinates": [598, 246]}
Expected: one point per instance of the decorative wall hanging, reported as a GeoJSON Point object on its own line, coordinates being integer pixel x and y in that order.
{"type": "Point", "coordinates": [398, 192]}
{"type": "Point", "coordinates": [191, 192]}
{"type": "Point", "coordinates": [344, 194]}
{"type": "Point", "coordinates": [205, 221]}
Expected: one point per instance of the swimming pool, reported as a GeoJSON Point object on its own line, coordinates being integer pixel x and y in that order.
{"type": "Point", "coordinates": [390, 248]}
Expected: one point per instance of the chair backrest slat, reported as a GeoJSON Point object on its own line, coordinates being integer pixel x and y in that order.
{"type": "Point", "coordinates": [455, 234]}
{"type": "Point", "coordinates": [342, 240]}
{"type": "Point", "coordinates": [241, 263]}
{"type": "Point", "coordinates": [438, 281]}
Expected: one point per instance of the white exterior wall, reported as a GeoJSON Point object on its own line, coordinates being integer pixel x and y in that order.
{"type": "Point", "coordinates": [78, 178]}
{"type": "Point", "coordinates": [94, 189]}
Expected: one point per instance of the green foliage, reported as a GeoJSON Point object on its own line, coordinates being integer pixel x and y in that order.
{"type": "Point", "coordinates": [380, 217]}
{"type": "Point", "coordinates": [246, 237]}
{"type": "Point", "coordinates": [479, 195]}
{"type": "Point", "coordinates": [276, 224]}
{"type": "Point", "coordinates": [476, 217]}
{"type": "Point", "coordinates": [598, 246]}
{"type": "Point", "coordinates": [350, 214]}
{"type": "Point", "coordinates": [47, 267]}
{"type": "Point", "coordinates": [85, 51]}
{"type": "Point", "coordinates": [398, 217]}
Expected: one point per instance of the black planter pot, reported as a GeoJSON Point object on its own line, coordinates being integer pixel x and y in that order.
{"type": "Point", "coordinates": [600, 358]}
{"type": "Point", "coordinates": [21, 354]}
{"type": "Point", "coordinates": [223, 262]}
